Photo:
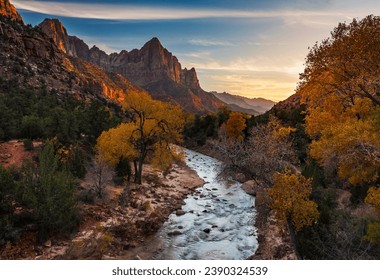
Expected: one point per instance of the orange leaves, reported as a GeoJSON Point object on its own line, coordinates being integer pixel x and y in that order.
{"type": "Point", "coordinates": [290, 200]}
{"type": "Point", "coordinates": [340, 87]}
{"type": "Point", "coordinates": [235, 126]}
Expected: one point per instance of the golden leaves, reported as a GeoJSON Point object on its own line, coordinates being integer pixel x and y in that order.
{"type": "Point", "coordinates": [290, 200]}
{"type": "Point", "coordinates": [235, 126]}
{"type": "Point", "coordinates": [114, 143]}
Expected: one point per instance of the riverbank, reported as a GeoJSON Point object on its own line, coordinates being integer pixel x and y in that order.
{"type": "Point", "coordinates": [119, 226]}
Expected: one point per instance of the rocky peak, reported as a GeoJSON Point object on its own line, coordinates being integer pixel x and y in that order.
{"type": "Point", "coordinates": [9, 11]}
{"type": "Point", "coordinates": [57, 32]}
{"type": "Point", "coordinates": [189, 78]}
{"type": "Point", "coordinates": [100, 58]}
{"type": "Point", "coordinates": [159, 60]}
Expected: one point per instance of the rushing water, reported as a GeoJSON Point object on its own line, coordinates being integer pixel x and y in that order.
{"type": "Point", "coordinates": [218, 220]}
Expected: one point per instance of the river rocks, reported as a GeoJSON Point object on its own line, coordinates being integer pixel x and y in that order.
{"type": "Point", "coordinates": [180, 213]}
{"type": "Point", "coordinates": [207, 230]}
{"type": "Point", "coordinates": [174, 233]}
{"type": "Point", "coordinates": [240, 177]}
{"type": "Point", "coordinates": [251, 187]}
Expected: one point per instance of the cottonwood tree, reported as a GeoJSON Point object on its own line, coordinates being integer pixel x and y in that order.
{"type": "Point", "coordinates": [341, 88]}
{"type": "Point", "coordinates": [153, 127]}
{"type": "Point", "coordinates": [267, 150]}
{"type": "Point", "coordinates": [291, 202]}
{"type": "Point", "coordinates": [235, 126]}
{"type": "Point", "coordinates": [270, 149]}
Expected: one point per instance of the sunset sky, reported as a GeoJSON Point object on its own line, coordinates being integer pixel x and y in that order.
{"type": "Point", "coordinates": [244, 47]}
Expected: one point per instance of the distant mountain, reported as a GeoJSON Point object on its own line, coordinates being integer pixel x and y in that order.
{"type": "Point", "coordinates": [152, 68]}
{"type": "Point", "coordinates": [258, 105]}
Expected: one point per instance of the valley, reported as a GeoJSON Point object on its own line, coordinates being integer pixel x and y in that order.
{"type": "Point", "coordinates": [123, 154]}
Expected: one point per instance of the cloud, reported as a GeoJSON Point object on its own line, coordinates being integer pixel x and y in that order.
{"type": "Point", "coordinates": [134, 12]}
{"type": "Point", "coordinates": [257, 64]}
{"type": "Point", "coordinates": [277, 86]}
{"type": "Point", "coordinates": [210, 43]}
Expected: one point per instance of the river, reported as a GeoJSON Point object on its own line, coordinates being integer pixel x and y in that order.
{"type": "Point", "coordinates": [216, 222]}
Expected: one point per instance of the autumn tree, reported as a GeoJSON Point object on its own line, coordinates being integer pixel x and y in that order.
{"type": "Point", "coordinates": [341, 88]}
{"type": "Point", "coordinates": [153, 127]}
{"type": "Point", "coordinates": [266, 150]}
{"type": "Point", "coordinates": [235, 126]}
{"type": "Point", "coordinates": [291, 202]}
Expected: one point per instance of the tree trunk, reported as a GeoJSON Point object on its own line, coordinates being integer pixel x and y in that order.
{"type": "Point", "coordinates": [139, 171]}
{"type": "Point", "coordinates": [136, 170]}
{"type": "Point", "coordinates": [293, 238]}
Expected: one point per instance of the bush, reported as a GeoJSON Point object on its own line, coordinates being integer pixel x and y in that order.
{"type": "Point", "coordinates": [87, 196]}
{"type": "Point", "coordinates": [28, 144]}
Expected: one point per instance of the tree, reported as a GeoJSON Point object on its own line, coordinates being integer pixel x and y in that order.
{"type": "Point", "coordinates": [153, 127]}
{"type": "Point", "coordinates": [7, 195]}
{"type": "Point", "coordinates": [341, 88]}
{"type": "Point", "coordinates": [101, 174]}
{"type": "Point", "coordinates": [291, 202]}
{"type": "Point", "coordinates": [235, 126]}
{"type": "Point", "coordinates": [270, 149]}
{"type": "Point", "coordinates": [267, 150]}
{"type": "Point", "coordinates": [49, 192]}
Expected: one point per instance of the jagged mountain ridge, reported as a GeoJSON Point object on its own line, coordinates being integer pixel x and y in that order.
{"type": "Point", "coordinates": [152, 68]}
{"type": "Point", "coordinates": [30, 59]}
{"type": "Point", "coordinates": [258, 105]}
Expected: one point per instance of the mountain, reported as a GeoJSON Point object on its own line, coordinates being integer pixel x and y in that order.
{"type": "Point", "coordinates": [293, 102]}
{"type": "Point", "coordinates": [241, 103]}
{"type": "Point", "coordinates": [30, 59]}
{"type": "Point", "coordinates": [7, 10]}
{"type": "Point", "coordinates": [152, 68]}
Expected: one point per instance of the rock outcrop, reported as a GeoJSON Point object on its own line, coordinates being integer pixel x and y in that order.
{"type": "Point", "coordinates": [9, 11]}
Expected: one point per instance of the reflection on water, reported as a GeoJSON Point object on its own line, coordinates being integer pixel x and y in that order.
{"type": "Point", "coordinates": [218, 220]}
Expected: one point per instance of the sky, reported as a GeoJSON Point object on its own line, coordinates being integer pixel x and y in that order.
{"type": "Point", "coordinates": [253, 48]}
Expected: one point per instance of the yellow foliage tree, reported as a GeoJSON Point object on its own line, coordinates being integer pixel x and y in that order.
{"type": "Point", "coordinates": [153, 127]}
{"type": "Point", "coordinates": [341, 88]}
{"type": "Point", "coordinates": [290, 200]}
{"type": "Point", "coordinates": [235, 126]}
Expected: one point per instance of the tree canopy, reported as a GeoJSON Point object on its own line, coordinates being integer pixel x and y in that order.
{"type": "Point", "coordinates": [341, 87]}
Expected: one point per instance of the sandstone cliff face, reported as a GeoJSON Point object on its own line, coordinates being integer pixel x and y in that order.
{"type": "Point", "coordinates": [55, 30]}
{"type": "Point", "coordinates": [9, 11]}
